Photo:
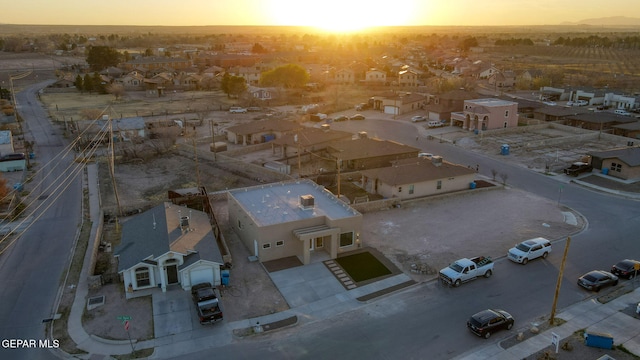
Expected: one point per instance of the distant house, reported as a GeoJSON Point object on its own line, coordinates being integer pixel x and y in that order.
{"type": "Point", "coordinates": [408, 78]}
{"type": "Point", "coordinates": [487, 114]}
{"type": "Point", "coordinates": [344, 76]}
{"type": "Point", "coordinates": [260, 131]}
{"type": "Point", "coordinates": [557, 113]}
{"type": "Point", "coordinates": [307, 140]}
{"type": "Point", "coordinates": [598, 121]}
{"type": "Point", "coordinates": [262, 94]}
{"type": "Point", "coordinates": [154, 62]}
{"type": "Point", "coordinates": [417, 177]}
{"type": "Point", "coordinates": [528, 77]}
{"type": "Point", "coordinates": [125, 129]}
{"type": "Point", "coordinates": [375, 76]}
{"type": "Point", "coordinates": [399, 103]}
{"type": "Point", "coordinates": [132, 80]}
{"type": "Point", "coordinates": [621, 163]}
{"type": "Point", "coordinates": [369, 153]}
{"type": "Point", "coordinates": [502, 79]}
{"type": "Point", "coordinates": [168, 245]}
{"type": "Point", "coordinates": [453, 101]}
{"type": "Point", "coordinates": [296, 219]}
{"type": "Point", "coordinates": [6, 142]}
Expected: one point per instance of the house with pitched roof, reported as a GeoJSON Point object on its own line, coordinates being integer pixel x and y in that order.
{"type": "Point", "coordinates": [598, 121]}
{"type": "Point", "coordinates": [295, 219]}
{"type": "Point", "coordinates": [417, 177]}
{"type": "Point", "coordinates": [623, 163]}
{"type": "Point", "coordinates": [6, 142]}
{"type": "Point", "coordinates": [367, 153]}
{"type": "Point", "coordinates": [452, 101]}
{"type": "Point", "coordinates": [168, 245]}
{"type": "Point", "coordinates": [307, 140]}
{"type": "Point", "coordinates": [257, 132]}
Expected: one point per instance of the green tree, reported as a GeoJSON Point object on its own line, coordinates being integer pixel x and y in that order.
{"type": "Point", "coordinates": [101, 57]}
{"type": "Point", "coordinates": [468, 43]}
{"type": "Point", "coordinates": [287, 76]}
{"type": "Point", "coordinates": [233, 85]}
{"type": "Point", "coordinates": [98, 85]}
{"type": "Point", "coordinates": [87, 83]}
{"type": "Point", "coordinates": [79, 83]}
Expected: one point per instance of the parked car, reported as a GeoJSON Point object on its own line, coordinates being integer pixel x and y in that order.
{"type": "Point", "coordinates": [622, 112]}
{"type": "Point", "coordinates": [418, 118]}
{"type": "Point", "coordinates": [529, 250]}
{"type": "Point", "coordinates": [341, 118]}
{"type": "Point", "coordinates": [597, 279]}
{"type": "Point", "coordinates": [434, 123]}
{"type": "Point", "coordinates": [571, 103]}
{"type": "Point", "coordinates": [626, 268]}
{"type": "Point", "coordinates": [237, 110]}
{"type": "Point", "coordinates": [486, 322]}
{"type": "Point", "coordinates": [582, 103]}
{"type": "Point", "coordinates": [357, 117]}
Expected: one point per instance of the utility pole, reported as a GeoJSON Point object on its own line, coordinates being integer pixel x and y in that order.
{"type": "Point", "coordinates": [195, 154]}
{"type": "Point", "coordinates": [555, 296]}
{"type": "Point", "coordinates": [112, 165]}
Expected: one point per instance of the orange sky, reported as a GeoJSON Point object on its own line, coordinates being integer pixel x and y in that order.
{"type": "Point", "coordinates": [337, 15]}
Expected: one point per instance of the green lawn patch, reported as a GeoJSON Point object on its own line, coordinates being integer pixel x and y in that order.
{"type": "Point", "coordinates": [363, 266]}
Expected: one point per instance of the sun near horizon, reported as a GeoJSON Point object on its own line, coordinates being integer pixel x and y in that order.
{"type": "Point", "coordinates": [341, 16]}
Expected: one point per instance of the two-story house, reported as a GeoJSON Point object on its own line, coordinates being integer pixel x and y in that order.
{"type": "Point", "coordinates": [487, 114]}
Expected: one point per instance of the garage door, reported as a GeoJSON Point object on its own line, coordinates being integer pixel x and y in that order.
{"type": "Point", "coordinates": [390, 110]}
{"type": "Point", "coordinates": [202, 275]}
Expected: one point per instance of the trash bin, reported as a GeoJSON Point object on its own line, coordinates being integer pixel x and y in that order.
{"type": "Point", "coordinates": [599, 340]}
{"type": "Point", "coordinates": [476, 131]}
{"type": "Point", "coordinates": [472, 185]}
{"type": "Point", "coordinates": [32, 155]}
{"type": "Point", "coordinates": [224, 277]}
{"type": "Point", "coordinates": [504, 150]}
{"type": "Point", "coordinates": [605, 171]}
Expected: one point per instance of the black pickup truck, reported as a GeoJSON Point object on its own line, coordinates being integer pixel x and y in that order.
{"type": "Point", "coordinates": [206, 301]}
{"type": "Point", "coordinates": [578, 168]}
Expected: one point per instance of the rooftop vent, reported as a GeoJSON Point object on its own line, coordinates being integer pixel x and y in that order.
{"type": "Point", "coordinates": [184, 223]}
{"type": "Point", "coordinates": [307, 202]}
{"type": "Point", "coordinates": [436, 160]}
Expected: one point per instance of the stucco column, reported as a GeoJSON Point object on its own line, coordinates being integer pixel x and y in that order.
{"type": "Point", "coordinates": [163, 278]}
{"type": "Point", "coordinates": [306, 254]}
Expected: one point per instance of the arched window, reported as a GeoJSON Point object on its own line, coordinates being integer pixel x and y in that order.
{"type": "Point", "coordinates": [142, 277]}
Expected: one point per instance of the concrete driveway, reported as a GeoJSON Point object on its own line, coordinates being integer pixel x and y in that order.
{"type": "Point", "coordinates": [173, 312]}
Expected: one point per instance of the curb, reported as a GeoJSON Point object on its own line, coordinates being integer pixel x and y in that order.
{"type": "Point", "coordinates": [112, 342]}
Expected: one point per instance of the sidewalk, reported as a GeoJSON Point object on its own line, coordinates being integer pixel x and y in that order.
{"type": "Point", "coordinates": [586, 315]}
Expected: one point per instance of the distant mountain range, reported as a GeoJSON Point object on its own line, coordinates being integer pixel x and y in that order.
{"type": "Point", "coordinates": [607, 21]}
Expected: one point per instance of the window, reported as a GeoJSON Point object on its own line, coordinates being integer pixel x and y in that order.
{"type": "Point", "coordinates": [506, 113]}
{"type": "Point", "coordinates": [346, 239]}
{"type": "Point", "coordinates": [142, 277]}
{"type": "Point", "coordinates": [439, 185]}
{"type": "Point", "coordinates": [616, 167]}
{"type": "Point", "coordinates": [266, 246]}
{"type": "Point", "coordinates": [410, 189]}
{"type": "Point", "coordinates": [280, 243]}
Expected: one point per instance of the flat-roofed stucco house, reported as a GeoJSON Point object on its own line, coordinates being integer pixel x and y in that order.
{"type": "Point", "coordinates": [293, 219]}
{"type": "Point", "coordinates": [417, 177]}
{"type": "Point", "coordinates": [168, 245]}
{"type": "Point", "coordinates": [487, 114]}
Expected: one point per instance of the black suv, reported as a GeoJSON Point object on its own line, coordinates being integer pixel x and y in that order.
{"type": "Point", "coordinates": [489, 321]}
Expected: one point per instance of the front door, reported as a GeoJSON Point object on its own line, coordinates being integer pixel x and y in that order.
{"type": "Point", "coordinates": [316, 243]}
{"type": "Point", "coordinates": [172, 274]}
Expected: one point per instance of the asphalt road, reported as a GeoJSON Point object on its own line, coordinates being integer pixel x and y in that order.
{"type": "Point", "coordinates": [32, 268]}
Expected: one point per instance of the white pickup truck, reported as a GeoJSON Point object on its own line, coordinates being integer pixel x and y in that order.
{"type": "Point", "coordinates": [463, 270]}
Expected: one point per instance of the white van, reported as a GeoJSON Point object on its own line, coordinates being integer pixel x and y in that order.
{"type": "Point", "coordinates": [434, 123]}
{"type": "Point", "coordinates": [622, 112]}
{"type": "Point", "coordinates": [237, 110]}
